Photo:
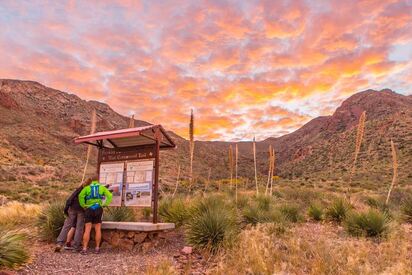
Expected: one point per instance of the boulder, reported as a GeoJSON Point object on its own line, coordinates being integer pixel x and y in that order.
{"type": "Point", "coordinates": [115, 239]}
{"type": "Point", "coordinates": [130, 234]}
{"type": "Point", "coordinates": [126, 244]}
{"type": "Point", "coordinates": [187, 250]}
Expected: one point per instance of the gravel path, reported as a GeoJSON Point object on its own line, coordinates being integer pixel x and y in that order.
{"type": "Point", "coordinates": [109, 261]}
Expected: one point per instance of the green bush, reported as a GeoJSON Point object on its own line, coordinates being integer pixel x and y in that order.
{"type": "Point", "coordinates": [12, 249]}
{"type": "Point", "coordinates": [212, 224]}
{"type": "Point", "coordinates": [51, 220]}
{"type": "Point", "coordinates": [406, 209]}
{"type": "Point", "coordinates": [368, 224]}
{"type": "Point", "coordinates": [173, 210]}
{"type": "Point", "coordinates": [263, 202]}
{"type": "Point", "coordinates": [119, 214]}
{"type": "Point", "coordinates": [290, 212]}
{"type": "Point", "coordinates": [315, 212]}
{"type": "Point", "coordinates": [337, 210]}
{"type": "Point", "coordinates": [253, 214]}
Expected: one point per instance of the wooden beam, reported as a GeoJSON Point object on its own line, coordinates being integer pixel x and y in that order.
{"type": "Point", "coordinates": [112, 143]}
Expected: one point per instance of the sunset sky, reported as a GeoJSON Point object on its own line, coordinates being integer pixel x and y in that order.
{"type": "Point", "coordinates": [247, 68]}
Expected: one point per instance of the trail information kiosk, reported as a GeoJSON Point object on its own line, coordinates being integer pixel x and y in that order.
{"type": "Point", "coordinates": [128, 162]}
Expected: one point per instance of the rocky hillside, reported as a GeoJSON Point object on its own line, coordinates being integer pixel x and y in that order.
{"type": "Point", "coordinates": [38, 125]}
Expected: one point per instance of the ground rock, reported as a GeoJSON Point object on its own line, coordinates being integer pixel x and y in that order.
{"type": "Point", "coordinates": [147, 246]}
{"type": "Point", "coordinates": [187, 250]}
{"type": "Point", "coordinates": [126, 244]}
{"type": "Point", "coordinates": [130, 234]}
{"type": "Point", "coordinates": [107, 235]}
{"type": "Point", "coordinates": [140, 237]}
{"type": "Point", "coordinates": [115, 239]}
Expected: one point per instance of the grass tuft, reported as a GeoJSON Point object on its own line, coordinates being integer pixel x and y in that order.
{"type": "Point", "coordinates": [338, 210]}
{"type": "Point", "coordinates": [119, 214]}
{"type": "Point", "coordinates": [315, 212]}
{"type": "Point", "coordinates": [50, 221]}
{"type": "Point", "coordinates": [367, 224]}
{"type": "Point", "coordinates": [12, 249]}
{"type": "Point", "coordinates": [173, 210]}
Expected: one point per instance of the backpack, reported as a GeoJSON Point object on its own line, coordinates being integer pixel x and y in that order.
{"type": "Point", "coordinates": [94, 192]}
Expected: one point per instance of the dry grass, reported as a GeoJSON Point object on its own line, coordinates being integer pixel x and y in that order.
{"type": "Point", "coordinates": [165, 267]}
{"type": "Point", "coordinates": [18, 215]}
{"type": "Point", "coordinates": [316, 249]}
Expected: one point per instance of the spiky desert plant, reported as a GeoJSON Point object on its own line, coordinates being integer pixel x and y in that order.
{"type": "Point", "coordinates": [236, 168]}
{"type": "Point", "coordinates": [174, 210]}
{"type": "Point", "coordinates": [51, 220]}
{"type": "Point", "coordinates": [131, 122]}
{"type": "Point", "coordinates": [338, 210]}
{"type": "Point", "coordinates": [13, 252]}
{"type": "Point", "coordinates": [191, 144]}
{"type": "Point", "coordinates": [406, 209]}
{"type": "Point", "coordinates": [177, 180]}
{"type": "Point", "coordinates": [359, 137]}
{"type": "Point", "coordinates": [368, 224]}
{"type": "Point", "coordinates": [208, 179]}
{"type": "Point", "coordinates": [230, 158]}
{"type": "Point", "coordinates": [254, 160]}
{"type": "Point", "coordinates": [395, 170]}
{"type": "Point", "coordinates": [119, 214]}
{"type": "Point", "coordinates": [315, 212]}
{"type": "Point", "coordinates": [89, 147]}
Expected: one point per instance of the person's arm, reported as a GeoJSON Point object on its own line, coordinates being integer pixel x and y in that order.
{"type": "Point", "coordinates": [70, 200]}
{"type": "Point", "coordinates": [108, 195]}
{"type": "Point", "coordinates": [82, 197]}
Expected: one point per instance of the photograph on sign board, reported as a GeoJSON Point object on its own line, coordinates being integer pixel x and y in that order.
{"type": "Point", "coordinates": [139, 183]}
{"type": "Point", "coordinates": [111, 175]}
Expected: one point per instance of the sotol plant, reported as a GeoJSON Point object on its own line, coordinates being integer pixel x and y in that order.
{"type": "Point", "coordinates": [395, 170]}
{"type": "Point", "coordinates": [368, 224]}
{"type": "Point", "coordinates": [315, 212]}
{"type": "Point", "coordinates": [119, 214]}
{"type": "Point", "coordinates": [406, 209]}
{"type": "Point", "coordinates": [174, 210]}
{"type": "Point", "coordinates": [191, 145]}
{"type": "Point", "coordinates": [13, 252]}
{"type": "Point", "coordinates": [51, 220]}
{"type": "Point", "coordinates": [338, 210]}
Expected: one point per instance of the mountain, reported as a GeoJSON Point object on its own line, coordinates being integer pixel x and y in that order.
{"type": "Point", "coordinates": [38, 125]}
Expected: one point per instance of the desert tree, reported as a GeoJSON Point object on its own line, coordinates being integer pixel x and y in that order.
{"type": "Point", "coordinates": [89, 147]}
{"type": "Point", "coordinates": [395, 170]}
{"type": "Point", "coordinates": [254, 160]}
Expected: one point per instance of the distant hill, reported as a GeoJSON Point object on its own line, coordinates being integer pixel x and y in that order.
{"type": "Point", "coordinates": [38, 125]}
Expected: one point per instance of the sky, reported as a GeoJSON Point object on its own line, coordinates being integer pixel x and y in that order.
{"type": "Point", "coordinates": [246, 68]}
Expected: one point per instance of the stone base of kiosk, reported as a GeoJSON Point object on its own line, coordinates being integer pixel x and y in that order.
{"type": "Point", "coordinates": [134, 236]}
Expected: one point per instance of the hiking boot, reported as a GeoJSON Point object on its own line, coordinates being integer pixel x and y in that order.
{"type": "Point", "coordinates": [68, 246]}
{"type": "Point", "coordinates": [97, 250]}
{"type": "Point", "coordinates": [83, 252]}
{"type": "Point", "coordinates": [58, 248]}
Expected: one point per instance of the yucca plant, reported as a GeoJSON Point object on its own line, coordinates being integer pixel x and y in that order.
{"type": "Point", "coordinates": [406, 209]}
{"type": "Point", "coordinates": [13, 252]}
{"type": "Point", "coordinates": [51, 220]}
{"type": "Point", "coordinates": [338, 210]}
{"type": "Point", "coordinates": [359, 137]}
{"type": "Point", "coordinates": [174, 210]}
{"type": "Point", "coordinates": [191, 145]}
{"type": "Point", "coordinates": [89, 147]}
{"type": "Point", "coordinates": [290, 212]}
{"type": "Point", "coordinates": [315, 212]}
{"type": "Point", "coordinates": [119, 214]}
{"type": "Point", "coordinates": [372, 223]}
{"type": "Point", "coordinates": [395, 170]}
{"type": "Point", "coordinates": [212, 224]}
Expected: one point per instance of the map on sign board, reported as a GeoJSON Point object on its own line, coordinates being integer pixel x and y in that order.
{"type": "Point", "coordinates": [111, 175]}
{"type": "Point", "coordinates": [139, 183]}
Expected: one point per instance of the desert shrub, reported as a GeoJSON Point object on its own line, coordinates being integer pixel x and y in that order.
{"type": "Point", "coordinates": [253, 214]}
{"type": "Point", "coordinates": [406, 209]}
{"type": "Point", "coordinates": [372, 223]}
{"type": "Point", "coordinates": [263, 202]}
{"type": "Point", "coordinates": [337, 210]}
{"type": "Point", "coordinates": [50, 220]}
{"type": "Point", "coordinates": [119, 214]}
{"type": "Point", "coordinates": [290, 212]}
{"type": "Point", "coordinates": [173, 210]}
{"type": "Point", "coordinates": [147, 211]}
{"type": "Point", "coordinates": [212, 224]}
{"type": "Point", "coordinates": [15, 214]}
{"type": "Point", "coordinates": [315, 212]}
{"type": "Point", "coordinates": [12, 249]}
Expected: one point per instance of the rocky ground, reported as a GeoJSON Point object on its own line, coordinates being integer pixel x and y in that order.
{"type": "Point", "coordinates": [115, 261]}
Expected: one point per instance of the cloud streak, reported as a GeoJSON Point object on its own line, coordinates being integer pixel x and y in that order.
{"type": "Point", "coordinates": [247, 68]}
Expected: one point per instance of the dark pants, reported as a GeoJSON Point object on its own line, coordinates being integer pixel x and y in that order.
{"type": "Point", "coordinates": [68, 223]}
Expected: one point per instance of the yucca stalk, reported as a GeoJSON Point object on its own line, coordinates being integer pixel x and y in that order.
{"type": "Point", "coordinates": [273, 170]}
{"type": "Point", "coordinates": [131, 122]}
{"type": "Point", "coordinates": [359, 137]}
{"type": "Point", "coordinates": [231, 165]}
{"type": "Point", "coordinates": [208, 180]}
{"type": "Point", "coordinates": [270, 169]}
{"type": "Point", "coordinates": [89, 147]}
{"type": "Point", "coordinates": [395, 170]}
{"type": "Point", "coordinates": [254, 159]}
{"type": "Point", "coordinates": [191, 145]}
{"type": "Point", "coordinates": [177, 180]}
{"type": "Point", "coordinates": [236, 159]}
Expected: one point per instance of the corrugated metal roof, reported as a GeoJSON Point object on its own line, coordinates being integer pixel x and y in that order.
{"type": "Point", "coordinates": [139, 136]}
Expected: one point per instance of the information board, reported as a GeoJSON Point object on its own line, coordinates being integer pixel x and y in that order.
{"type": "Point", "coordinates": [111, 175]}
{"type": "Point", "coordinates": [139, 183]}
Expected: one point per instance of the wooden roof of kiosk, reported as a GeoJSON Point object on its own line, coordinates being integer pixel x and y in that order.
{"type": "Point", "coordinates": [130, 137]}
{"type": "Point", "coordinates": [133, 139]}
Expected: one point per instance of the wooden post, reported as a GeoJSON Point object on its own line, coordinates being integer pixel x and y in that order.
{"type": "Point", "coordinates": [156, 177]}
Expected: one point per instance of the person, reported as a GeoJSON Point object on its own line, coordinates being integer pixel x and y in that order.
{"type": "Point", "coordinates": [91, 199]}
{"type": "Point", "coordinates": [73, 224]}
